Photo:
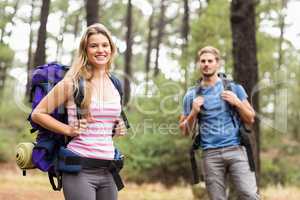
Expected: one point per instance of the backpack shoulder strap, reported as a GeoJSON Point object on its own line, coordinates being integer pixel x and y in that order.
{"type": "Point", "coordinates": [227, 85]}
{"type": "Point", "coordinates": [225, 81]}
{"type": "Point", "coordinates": [118, 85]}
{"type": "Point", "coordinates": [79, 96]}
{"type": "Point", "coordinates": [196, 142]}
{"type": "Point", "coordinates": [195, 136]}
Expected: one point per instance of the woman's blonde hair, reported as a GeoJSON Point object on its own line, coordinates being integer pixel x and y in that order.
{"type": "Point", "coordinates": [209, 49]}
{"type": "Point", "coordinates": [81, 67]}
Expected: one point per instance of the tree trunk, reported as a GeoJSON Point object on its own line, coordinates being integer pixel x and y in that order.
{"type": "Point", "coordinates": [92, 8]}
{"type": "Point", "coordinates": [161, 26]}
{"type": "Point", "coordinates": [280, 111]}
{"type": "Point", "coordinates": [149, 50]}
{"type": "Point", "coordinates": [185, 30]}
{"type": "Point", "coordinates": [60, 38]}
{"type": "Point", "coordinates": [282, 29]}
{"type": "Point", "coordinates": [244, 57]}
{"type": "Point", "coordinates": [29, 53]}
{"type": "Point", "coordinates": [40, 53]}
{"type": "Point", "coordinates": [3, 70]}
{"type": "Point", "coordinates": [128, 54]}
{"type": "Point", "coordinates": [75, 33]}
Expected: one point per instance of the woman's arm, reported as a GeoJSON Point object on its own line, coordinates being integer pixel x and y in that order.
{"type": "Point", "coordinates": [56, 97]}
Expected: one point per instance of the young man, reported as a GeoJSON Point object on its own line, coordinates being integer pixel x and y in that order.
{"type": "Point", "coordinates": [220, 141]}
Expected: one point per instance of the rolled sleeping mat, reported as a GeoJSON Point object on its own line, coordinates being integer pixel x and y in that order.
{"type": "Point", "coordinates": [24, 155]}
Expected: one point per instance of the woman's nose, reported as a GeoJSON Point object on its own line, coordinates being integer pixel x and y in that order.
{"type": "Point", "coordinates": [99, 48]}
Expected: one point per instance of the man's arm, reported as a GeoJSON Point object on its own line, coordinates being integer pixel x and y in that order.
{"type": "Point", "coordinates": [187, 123]}
{"type": "Point", "coordinates": [245, 110]}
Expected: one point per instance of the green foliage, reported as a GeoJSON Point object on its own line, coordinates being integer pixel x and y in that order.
{"type": "Point", "coordinates": [277, 171]}
{"type": "Point", "coordinates": [5, 144]}
{"type": "Point", "coordinates": [271, 173]}
{"type": "Point", "coordinates": [213, 28]}
{"type": "Point", "coordinates": [280, 159]}
{"type": "Point", "coordinates": [154, 149]}
{"type": "Point", "coordinates": [155, 157]}
{"type": "Point", "coordinates": [60, 5]}
{"type": "Point", "coordinates": [266, 47]}
{"type": "Point", "coordinates": [6, 54]}
{"type": "Point", "coordinates": [13, 125]}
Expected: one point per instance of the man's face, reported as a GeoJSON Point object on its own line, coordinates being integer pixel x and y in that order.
{"type": "Point", "coordinates": [208, 64]}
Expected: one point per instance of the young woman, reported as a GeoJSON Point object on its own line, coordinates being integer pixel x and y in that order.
{"type": "Point", "coordinates": [101, 106]}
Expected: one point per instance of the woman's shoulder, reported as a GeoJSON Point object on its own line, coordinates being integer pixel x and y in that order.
{"type": "Point", "coordinates": [66, 85]}
{"type": "Point", "coordinates": [67, 80]}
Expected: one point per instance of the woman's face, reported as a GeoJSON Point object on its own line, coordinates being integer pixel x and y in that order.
{"type": "Point", "coordinates": [98, 50]}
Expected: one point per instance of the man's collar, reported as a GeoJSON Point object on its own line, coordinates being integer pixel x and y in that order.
{"type": "Point", "coordinates": [201, 83]}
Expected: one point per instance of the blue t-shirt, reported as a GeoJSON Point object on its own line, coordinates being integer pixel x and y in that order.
{"type": "Point", "coordinates": [215, 124]}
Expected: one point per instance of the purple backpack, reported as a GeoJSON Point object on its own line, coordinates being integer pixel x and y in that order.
{"type": "Point", "coordinates": [44, 78]}
{"type": "Point", "coordinates": [45, 151]}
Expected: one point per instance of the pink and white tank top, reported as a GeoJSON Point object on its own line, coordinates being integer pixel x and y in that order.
{"type": "Point", "coordinates": [97, 141]}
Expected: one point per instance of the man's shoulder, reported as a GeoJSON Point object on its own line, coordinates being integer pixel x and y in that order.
{"type": "Point", "coordinates": [191, 91]}
{"type": "Point", "coordinates": [232, 83]}
{"type": "Point", "coordinates": [236, 86]}
{"type": "Point", "coordinates": [239, 90]}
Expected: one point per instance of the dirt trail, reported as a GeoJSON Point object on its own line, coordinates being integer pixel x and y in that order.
{"type": "Point", "coordinates": [35, 186]}
{"type": "Point", "coordinates": [14, 186]}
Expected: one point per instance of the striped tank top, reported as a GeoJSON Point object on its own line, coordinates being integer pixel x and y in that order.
{"type": "Point", "coordinates": [96, 142]}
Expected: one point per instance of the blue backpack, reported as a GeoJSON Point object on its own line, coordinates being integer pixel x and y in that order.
{"type": "Point", "coordinates": [49, 145]}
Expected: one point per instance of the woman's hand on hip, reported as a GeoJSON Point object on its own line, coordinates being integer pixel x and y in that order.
{"type": "Point", "coordinates": [119, 128]}
{"type": "Point", "coordinates": [77, 128]}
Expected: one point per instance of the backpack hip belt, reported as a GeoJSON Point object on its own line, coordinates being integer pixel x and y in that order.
{"type": "Point", "coordinates": [113, 166]}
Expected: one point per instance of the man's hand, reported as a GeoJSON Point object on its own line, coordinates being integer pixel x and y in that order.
{"type": "Point", "coordinates": [182, 125]}
{"type": "Point", "coordinates": [245, 110]}
{"type": "Point", "coordinates": [230, 97]}
{"type": "Point", "coordinates": [197, 103]}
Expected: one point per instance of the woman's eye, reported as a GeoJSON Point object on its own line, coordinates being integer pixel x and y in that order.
{"type": "Point", "coordinates": [93, 45]}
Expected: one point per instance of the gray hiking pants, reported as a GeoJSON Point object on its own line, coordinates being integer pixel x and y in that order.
{"type": "Point", "coordinates": [90, 184]}
{"type": "Point", "coordinates": [232, 161]}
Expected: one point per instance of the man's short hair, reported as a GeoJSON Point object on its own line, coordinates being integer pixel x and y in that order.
{"type": "Point", "coordinates": [209, 49]}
